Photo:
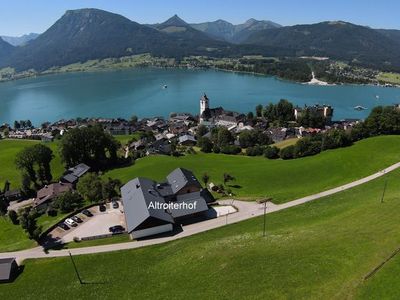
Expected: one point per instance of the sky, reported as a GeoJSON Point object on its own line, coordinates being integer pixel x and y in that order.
{"type": "Point", "coordinates": [18, 17]}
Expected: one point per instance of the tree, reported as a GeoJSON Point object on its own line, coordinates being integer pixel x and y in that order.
{"type": "Point", "coordinates": [3, 205]}
{"type": "Point", "coordinates": [110, 188]}
{"type": "Point", "coordinates": [224, 137]}
{"type": "Point", "coordinates": [205, 178]}
{"type": "Point", "coordinates": [287, 152]}
{"type": "Point", "coordinates": [13, 217]}
{"type": "Point", "coordinates": [68, 202]}
{"type": "Point", "coordinates": [271, 152]}
{"type": "Point", "coordinates": [24, 161]}
{"type": "Point", "coordinates": [247, 138]}
{"type": "Point", "coordinates": [227, 178]}
{"type": "Point", "coordinates": [28, 222]}
{"type": "Point", "coordinates": [90, 187]}
{"type": "Point", "coordinates": [133, 120]}
{"type": "Point", "coordinates": [306, 147]}
{"type": "Point", "coordinates": [205, 144]}
{"type": "Point", "coordinates": [43, 155]}
{"type": "Point", "coordinates": [280, 113]}
{"type": "Point", "coordinates": [89, 145]}
{"type": "Point", "coordinates": [201, 131]}
{"type": "Point", "coordinates": [26, 185]}
{"type": "Point", "coordinates": [35, 162]}
{"type": "Point", "coordinates": [259, 110]}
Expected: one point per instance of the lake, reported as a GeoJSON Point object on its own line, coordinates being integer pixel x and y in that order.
{"type": "Point", "coordinates": [140, 92]}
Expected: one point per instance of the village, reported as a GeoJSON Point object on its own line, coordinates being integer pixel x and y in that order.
{"type": "Point", "coordinates": [162, 136]}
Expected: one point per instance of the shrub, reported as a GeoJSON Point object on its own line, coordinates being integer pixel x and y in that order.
{"type": "Point", "coordinates": [271, 152]}
{"type": "Point", "coordinates": [231, 149]}
{"type": "Point", "coordinates": [216, 149]}
{"type": "Point", "coordinates": [287, 152]}
{"type": "Point", "coordinates": [13, 217]}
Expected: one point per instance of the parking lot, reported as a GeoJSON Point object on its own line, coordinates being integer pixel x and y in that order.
{"type": "Point", "coordinates": [99, 224]}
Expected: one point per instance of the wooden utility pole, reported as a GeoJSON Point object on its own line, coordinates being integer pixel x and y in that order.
{"type": "Point", "coordinates": [264, 201]}
{"type": "Point", "coordinates": [384, 191]}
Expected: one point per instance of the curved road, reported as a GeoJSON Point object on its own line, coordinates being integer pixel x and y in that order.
{"type": "Point", "coordinates": [246, 211]}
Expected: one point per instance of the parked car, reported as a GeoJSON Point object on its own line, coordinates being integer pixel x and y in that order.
{"type": "Point", "coordinates": [116, 229]}
{"type": "Point", "coordinates": [63, 226]}
{"type": "Point", "coordinates": [71, 222]}
{"type": "Point", "coordinates": [77, 219]}
{"type": "Point", "coordinates": [102, 207]}
{"type": "Point", "coordinates": [87, 213]}
{"type": "Point", "coordinates": [115, 204]}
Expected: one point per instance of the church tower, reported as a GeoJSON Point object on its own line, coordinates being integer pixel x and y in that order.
{"type": "Point", "coordinates": [204, 104]}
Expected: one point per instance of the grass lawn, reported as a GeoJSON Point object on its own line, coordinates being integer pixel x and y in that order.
{"type": "Point", "coordinates": [124, 139]}
{"type": "Point", "coordinates": [283, 180]}
{"type": "Point", "coordinates": [321, 249]}
{"type": "Point", "coordinates": [8, 151]}
{"type": "Point", "coordinates": [384, 284]}
{"type": "Point", "coordinates": [13, 237]}
{"type": "Point", "coordinates": [286, 143]}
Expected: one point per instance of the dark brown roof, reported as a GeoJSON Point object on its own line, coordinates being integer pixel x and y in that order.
{"type": "Point", "coordinates": [51, 191]}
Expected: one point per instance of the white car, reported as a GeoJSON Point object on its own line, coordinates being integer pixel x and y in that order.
{"type": "Point", "coordinates": [70, 222]}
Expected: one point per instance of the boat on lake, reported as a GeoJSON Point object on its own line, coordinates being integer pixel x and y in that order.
{"type": "Point", "coordinates": [359, 108]}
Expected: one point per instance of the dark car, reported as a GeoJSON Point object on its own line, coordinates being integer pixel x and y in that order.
{"type": "Point", "coordinates": [115, 204]}
{"type": "Point", "coordinates": [63, 226]}
{"type": "Point", "coordinates": [116, 229]}
{"type": "Point", "coordinates": [102, 207]}
{"type": "Point", "coordinates": [77, 219]}
{"type": "Point", "coordinates": [87, 213]}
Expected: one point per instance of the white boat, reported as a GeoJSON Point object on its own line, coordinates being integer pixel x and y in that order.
{"type": "Point", "coordinates": [165, 86]}
{"type": "Point", "coordinates": [359, 107]}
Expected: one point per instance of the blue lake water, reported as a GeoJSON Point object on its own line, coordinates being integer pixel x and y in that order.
{"type": "Point", "coordinates": [139, 91]}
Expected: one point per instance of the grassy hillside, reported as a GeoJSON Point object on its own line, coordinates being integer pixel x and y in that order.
{"type": "Point", "coordinates": [8, 150]}
{"type": "Point", "coordinates": [283, 180]}
{"type": "Point", "coordinates": [255, 177]}
{"type": "Point", "coordinates": [384, 284]}
{"type": "Point", "coordinates": [322, 249]}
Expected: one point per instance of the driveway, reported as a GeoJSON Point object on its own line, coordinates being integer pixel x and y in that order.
{"type": "Point", "coordinates": [96, 225]}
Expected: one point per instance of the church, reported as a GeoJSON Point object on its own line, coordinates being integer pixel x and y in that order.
{"type": "Point", "coordinates": [218, 116]}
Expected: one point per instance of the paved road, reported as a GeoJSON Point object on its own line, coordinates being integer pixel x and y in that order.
{"type": "Point", "coordinates": [246, 211]}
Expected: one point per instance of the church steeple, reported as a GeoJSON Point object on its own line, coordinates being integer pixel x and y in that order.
{"type": "Point", "coordinates": [204, 104]}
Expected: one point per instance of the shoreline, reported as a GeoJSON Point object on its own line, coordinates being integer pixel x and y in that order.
{"type": "Point", "coordinates": [313, 82]}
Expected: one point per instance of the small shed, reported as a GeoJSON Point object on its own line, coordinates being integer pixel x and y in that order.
{"type": "Point", "coordinates": [8, 269]}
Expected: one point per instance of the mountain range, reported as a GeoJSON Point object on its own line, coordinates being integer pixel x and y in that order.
{"type": "Point", "coordinates": [84, 34]}
{"type": "Point", "coordinates": [237, 34]}
{"type": "Point", "coordinates": [338, 40]}
{"type": "Point", "coordinates": [20, 40]}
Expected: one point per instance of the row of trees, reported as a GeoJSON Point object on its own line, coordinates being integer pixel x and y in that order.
{"type": "Point", "coordinates": [222, 140]}
{"type": "Point", "coordinates": [312, 145]}
{"type": "Point", "coordinates": [282, 113]}
{"type": "Point", "coordinates": [22, 124]}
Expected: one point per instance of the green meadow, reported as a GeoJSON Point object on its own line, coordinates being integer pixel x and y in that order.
{"type": "Point", "coordinates": [319, 250]}
{"type": "Point", "coordinates": [258, 177]}
{"type": "Point", "coordinates": [8, 151]}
